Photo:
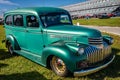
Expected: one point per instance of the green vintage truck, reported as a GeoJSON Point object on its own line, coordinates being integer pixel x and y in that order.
{"type": "Point", "coordinates": [48, 37]}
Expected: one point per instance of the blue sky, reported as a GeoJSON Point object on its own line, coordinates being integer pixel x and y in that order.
{"type": "Point", "coordinates": [6, 5]}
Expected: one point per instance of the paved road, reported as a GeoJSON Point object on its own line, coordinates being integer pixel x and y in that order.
{"type": "Point", "coordinates": [113, 30]}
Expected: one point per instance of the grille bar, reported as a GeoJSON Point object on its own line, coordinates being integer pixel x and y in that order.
{"type": "Point", "coordinates": [95, 41]}
{"type": "Point", "coordinates": [95, 55]}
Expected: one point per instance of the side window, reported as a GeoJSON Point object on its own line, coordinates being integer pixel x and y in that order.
{"type": "Point", "coordinates": [8, 20]}
{"type": "Point", "coordinates": [18, 20]}
{"type": "Point", "coordinates": [32, 21]}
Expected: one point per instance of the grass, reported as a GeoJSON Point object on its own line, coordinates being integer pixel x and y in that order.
{"type": "Point", "coordinates": [20, 68]}
{"type": "Point", "coordinates": [113, 22]}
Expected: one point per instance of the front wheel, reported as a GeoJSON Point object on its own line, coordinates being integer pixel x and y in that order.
{"type": "Point", "coordinates": [58, 66]}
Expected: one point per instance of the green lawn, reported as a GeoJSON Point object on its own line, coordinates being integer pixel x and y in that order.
{"type": "Point", "coordinates": [20, 68]}
{"type": "Point", "coordinates": [113, 22]}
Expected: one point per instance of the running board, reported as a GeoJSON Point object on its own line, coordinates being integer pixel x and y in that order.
{"type": "Point", "coordinates": [29, 55]}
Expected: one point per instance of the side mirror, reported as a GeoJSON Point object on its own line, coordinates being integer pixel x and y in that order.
{"type": "Point", "coordinates": [3, 26]}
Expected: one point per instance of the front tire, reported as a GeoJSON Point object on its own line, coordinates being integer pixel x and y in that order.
{"type": "Point", "coordinates": [59, 67]}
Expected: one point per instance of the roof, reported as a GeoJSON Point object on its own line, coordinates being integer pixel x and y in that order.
{"type": "Point", "coordinates": [40, 10]}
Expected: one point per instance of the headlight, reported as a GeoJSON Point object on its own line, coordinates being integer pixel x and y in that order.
{"type": "Point", "coordinates": [108, 39]}
{"type": "Point", "coordinates": [80, 51]}
{"type": "Point", "coordinates": [111, 41]}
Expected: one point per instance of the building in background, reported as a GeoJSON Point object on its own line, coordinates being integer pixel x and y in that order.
{"type": "Point", "coordinates": [94, 8]}
{"type": "Point", "coordinates": [1, 20]}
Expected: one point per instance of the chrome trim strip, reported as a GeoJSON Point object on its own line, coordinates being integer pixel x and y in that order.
{"type": "Point", "coordinates": [95, 41]}
{"type": "Point", "coordinates": [93, 70]}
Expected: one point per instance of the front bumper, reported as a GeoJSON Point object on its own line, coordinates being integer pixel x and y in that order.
{"type": "Point", "coordinates": [93, 70]}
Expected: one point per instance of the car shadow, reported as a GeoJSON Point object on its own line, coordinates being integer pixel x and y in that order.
{"type": "Point", "coordinates": [3, 65]}
{"type": "Point", "coordinates": [4, 54]}
{"type": "Point", "coordinates": [34, 75]}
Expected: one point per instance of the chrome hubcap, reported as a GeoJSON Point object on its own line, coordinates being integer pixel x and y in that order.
{"type": "Point", "coordinates": [58, 64]}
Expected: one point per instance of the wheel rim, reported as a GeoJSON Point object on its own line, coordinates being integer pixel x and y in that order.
{"type": "Point", "coordinates": [58, 64]}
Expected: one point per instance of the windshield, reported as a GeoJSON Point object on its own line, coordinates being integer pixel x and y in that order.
{"type": "Point", "coordinates": [55, 19]}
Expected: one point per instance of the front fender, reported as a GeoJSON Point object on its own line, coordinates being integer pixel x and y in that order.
{"type": "Point", "coordinates": [63, 52]}
{"type": "Point", "coordinates": [108, 39]}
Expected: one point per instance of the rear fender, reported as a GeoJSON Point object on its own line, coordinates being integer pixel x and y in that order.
{"type": "Point", "coordinates": [13, 41]}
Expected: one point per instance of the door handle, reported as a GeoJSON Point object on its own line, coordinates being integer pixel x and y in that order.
{"type": "Point", "coordinates": [26, 30]}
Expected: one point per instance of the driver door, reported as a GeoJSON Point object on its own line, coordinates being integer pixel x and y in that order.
{"type": "Point", "coordinates": [34, 36]}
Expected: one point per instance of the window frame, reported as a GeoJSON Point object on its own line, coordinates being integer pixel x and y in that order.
{"type": "Point", "coordinates": [37, 19]}
{"type": "Point", "coordinates": [11, 20]}
{"type": "Point", "coordinates": [16, 18]}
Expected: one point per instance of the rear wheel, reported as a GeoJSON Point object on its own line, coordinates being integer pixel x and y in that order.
{"type": "Point", "coordinates": [10, 48]}
{"type": "Point", "coordinates": [58, 66]}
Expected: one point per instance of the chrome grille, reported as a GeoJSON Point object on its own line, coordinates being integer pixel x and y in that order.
{"type": "Point", "coordinates": [95, 55]}
{"type": "Point", "coordinates": [95, 41]}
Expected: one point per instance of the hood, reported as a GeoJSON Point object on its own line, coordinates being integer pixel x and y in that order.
{"type": "Point", "coordinates": [79, 33]}
{"type": "Point", "coordinates": [74, 30]}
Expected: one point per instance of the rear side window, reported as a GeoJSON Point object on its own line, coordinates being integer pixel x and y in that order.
{"type": "Point", "coordinates": [18, 20]}
{"type": "Point", "coordinates": [8, 20]}
{"type": "Point", "coordinates": [32, 21]}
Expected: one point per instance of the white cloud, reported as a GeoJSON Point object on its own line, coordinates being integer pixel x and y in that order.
{"type": "Point", "coordinates": [7, 2]}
